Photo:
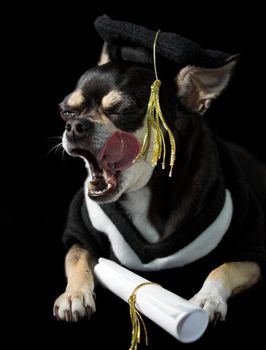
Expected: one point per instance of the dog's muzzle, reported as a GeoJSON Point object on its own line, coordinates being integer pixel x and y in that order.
{"type": "Point", "coordinates": [77, 129]}
{"type": "Point", "coordinates": [117, 153]}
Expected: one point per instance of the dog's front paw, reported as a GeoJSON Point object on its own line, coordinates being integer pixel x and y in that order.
{"type": "Point", "coordinates": [72, 306]}
{"type": "Point", "coordinates": [212, 298]}
{"type": "Point", "coordinates": [215, 305]}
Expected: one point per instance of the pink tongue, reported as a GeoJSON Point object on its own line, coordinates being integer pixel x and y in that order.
{"type": "Point", "coordinates": [119, 150]}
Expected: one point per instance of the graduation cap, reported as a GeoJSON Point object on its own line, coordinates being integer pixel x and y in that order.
{"type": "Point", "coordinates": [135, 43]}
{"type": "Point", "coordinates": [124, 36]}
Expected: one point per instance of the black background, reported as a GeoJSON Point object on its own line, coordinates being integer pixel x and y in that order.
{"type": "Point", "coordinates": [44, 51]}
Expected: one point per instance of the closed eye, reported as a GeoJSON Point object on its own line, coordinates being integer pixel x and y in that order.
{"type": "Point", "coordinates": [67, 114]}
{"type": "Point", "coordinates": [113, 113]}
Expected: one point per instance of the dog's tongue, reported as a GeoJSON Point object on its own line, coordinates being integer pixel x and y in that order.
{"type": "Point", "coordinates": [119, 150]}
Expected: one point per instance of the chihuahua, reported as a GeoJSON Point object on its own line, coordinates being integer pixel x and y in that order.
{"type": "Point", "coordinates": [213, 205]}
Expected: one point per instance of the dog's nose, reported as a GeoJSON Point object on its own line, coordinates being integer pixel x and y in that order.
{"type": "Point", "coordinates": [78, 127]}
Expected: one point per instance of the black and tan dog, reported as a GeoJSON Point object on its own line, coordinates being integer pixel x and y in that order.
{"type": "Point", "coordinates": [212, 207]}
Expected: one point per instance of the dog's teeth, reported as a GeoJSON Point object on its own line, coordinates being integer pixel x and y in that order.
{"type": "Point", "coordinates": [99, 192]}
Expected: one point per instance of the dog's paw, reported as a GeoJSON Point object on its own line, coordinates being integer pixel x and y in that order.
{"type": "Point", "coordinates": [212, 298]}
{"type": "Point", "coordinates": [72, 306]}
{"type": "Point", "coordinates": [214, 304]}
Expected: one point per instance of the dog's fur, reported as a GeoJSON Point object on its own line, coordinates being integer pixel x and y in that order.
{"type": "Point", "coordinates": [113, 97]}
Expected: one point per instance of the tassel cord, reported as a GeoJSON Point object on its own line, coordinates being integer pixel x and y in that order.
{"type": "Point", "coordinates": [153, 122]}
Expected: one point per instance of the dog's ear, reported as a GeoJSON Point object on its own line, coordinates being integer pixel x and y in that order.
{"type": "Point", "coordinates": [197, 86]}
{"type": "Point", "coordinates": [104, 56]}
{"type": "Point", "coordinates": [129, 53]}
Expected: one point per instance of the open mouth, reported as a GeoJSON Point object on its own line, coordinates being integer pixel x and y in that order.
{"type": "Point", "coordinates": [103, 175]}
{"type": "Point", "coordinates": [117, 154]}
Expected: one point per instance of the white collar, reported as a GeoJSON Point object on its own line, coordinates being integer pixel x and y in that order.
{"type": "Point", "coordinates": [195, 250]}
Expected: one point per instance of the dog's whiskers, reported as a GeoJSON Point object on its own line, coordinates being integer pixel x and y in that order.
{"type": "Point", "coordinates": [54, 138]}
{"type": "Point", "coordinates": [57, 148]}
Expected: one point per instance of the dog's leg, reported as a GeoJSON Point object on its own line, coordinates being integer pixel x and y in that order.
{"type": "Point", "coordinates": [223, 282]}
{"type": "Point", "coordinates": [77, 301]}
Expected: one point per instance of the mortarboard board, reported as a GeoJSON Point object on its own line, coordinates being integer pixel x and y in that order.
{"type": "Point", "coordinates": [124, 35]}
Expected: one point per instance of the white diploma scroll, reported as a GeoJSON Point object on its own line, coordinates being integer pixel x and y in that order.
{"type": "Point", "coordinates": [177, 316]}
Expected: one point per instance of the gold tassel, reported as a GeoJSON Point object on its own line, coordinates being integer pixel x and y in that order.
{"type": "Point", "coordinates": [136, 319]}
{"type": "Point", "coordinates": [153, 121]}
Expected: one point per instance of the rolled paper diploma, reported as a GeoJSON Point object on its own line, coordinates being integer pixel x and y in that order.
{"type": "Point", "coordinates": [177, 316]}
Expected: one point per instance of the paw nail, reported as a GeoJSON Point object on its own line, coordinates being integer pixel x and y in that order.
{"type": "Point", "coordinates": [217, 317]}
{"type": "Point", "coordinates": [75, 316]}
{"type": "Point", "coordinates": [88, 311]}
{"type": "Point", "coordinates": [67, 316]}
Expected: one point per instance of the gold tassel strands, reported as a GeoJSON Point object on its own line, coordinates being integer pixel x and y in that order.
{"type": "Point", "coordinates": [154, 121]}
{"type": "Point", "coordinates": [136, 319]}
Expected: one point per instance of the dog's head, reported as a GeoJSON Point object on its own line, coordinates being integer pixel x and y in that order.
{"type": "Point", "coordinates": [105, 116]}
{"type": "Point", "coordinates": [104, 121]}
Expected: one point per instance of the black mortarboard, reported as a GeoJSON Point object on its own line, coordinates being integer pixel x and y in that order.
{"type": "Point", "coordinates": [137, 44]}
{"type": "Point", "coordinates": [124, 35]}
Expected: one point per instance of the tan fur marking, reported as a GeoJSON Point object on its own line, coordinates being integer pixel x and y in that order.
{"type": "Point", "coordinates": [75, 99]}
{"type": "Point", "coordinates": [237, 276]}
{"type": "Point", "coordinates": [77, 267]}
{"type": "Point", "coordinates": [104, 57]}
{"type": "Point", "coordinates": [113, 97]}
{"type": "Point", "coordinates": [99, 118]}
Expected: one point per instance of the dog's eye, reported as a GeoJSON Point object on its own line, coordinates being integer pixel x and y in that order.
{"type": "Point", "coordinates": [112, 115]}
{"type": "Point", "coordinates": [68, 114]}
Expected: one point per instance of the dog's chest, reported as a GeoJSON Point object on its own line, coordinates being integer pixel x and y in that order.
{"type": "Point", "coordinates": [136, 206]}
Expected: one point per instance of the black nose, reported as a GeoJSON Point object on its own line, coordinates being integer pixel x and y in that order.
{"type": "Point", "coordinates": [78, 127]}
